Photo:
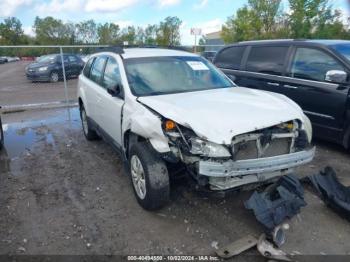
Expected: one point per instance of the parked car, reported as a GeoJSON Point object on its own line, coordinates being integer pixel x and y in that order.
{"type": "Point", "coordinates": [49, 67]}
{"type": "Point", "coordinates": [3, 60]}
{"type": "Point", "coordinates": [313, 73]}
{"type": "Point", "coordinates": [209, 55]}
{"type": "Point", "coordinates": [1, 133]}
{"type": "Point", "coordinates": [162, 107]}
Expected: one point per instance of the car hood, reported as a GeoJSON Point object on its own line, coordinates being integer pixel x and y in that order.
{"type": "Point", "coordinates": [219, 115]}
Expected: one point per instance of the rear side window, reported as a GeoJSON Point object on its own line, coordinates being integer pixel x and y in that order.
{"type": "Point", "coordinates": [267, 59]}
{"type": "Point", "coordinates": [313, 64]}
{"type": "Point", "coordinates": [230, 57]}
{"type": "Point", "coordinates": [87, 67]}
{"type": "Point", "coordinates": [97, 69]}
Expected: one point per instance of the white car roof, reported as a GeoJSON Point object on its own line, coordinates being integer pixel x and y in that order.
{"type": "Point", "coordinates": [153, 52]}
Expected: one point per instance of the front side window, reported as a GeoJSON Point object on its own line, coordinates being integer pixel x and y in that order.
{"type": "Point", "coordinates": [87, 67]}
{"type": "Point", "coordinates": [97, 69]}
{"type": "Point", "coordinates": [313, 64]}
{"type": "Point", "coordinates": [169, 75]}
{"type": "Point", "coordinates": [267, 59]}
{"type": "Point", "coordinates": [111, 76]}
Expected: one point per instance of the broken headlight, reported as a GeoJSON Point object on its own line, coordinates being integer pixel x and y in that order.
{"type": "Point", "coordinates": [208, 149]}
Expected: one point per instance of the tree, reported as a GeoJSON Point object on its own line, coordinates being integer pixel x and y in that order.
{"type": "Point", "coordinates": [314, 18]}
{"type": "Point", "coordinates": [108, 34]}
{"type": "Point", "coordinates": [168, 33]}
{"type": "Point", "coordinates": [128, 35]}
{"type": "Point", "coordinates": [87, 32]}
{"type": "Point", "coordinates": [257, 20]}
{"type": "Point", "coordinates": [150, 35]}
{"type": "Point", "coordinates": [265, 15]}
{"type": "Point", "coordinates": [11, 32]}
{"type": "Point", "coordinates": [53, 31]}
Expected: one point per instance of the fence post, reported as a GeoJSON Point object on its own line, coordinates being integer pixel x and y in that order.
{"type": "Point", "coordinates": [64, 77]}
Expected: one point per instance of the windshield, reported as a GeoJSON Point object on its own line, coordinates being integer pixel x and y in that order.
{"type": "Point", "coordinates": [168, 75]}
{"type": "Point", "coordinates": [343, 49]}
{"type": "Point", "coordinates": [47, 58]}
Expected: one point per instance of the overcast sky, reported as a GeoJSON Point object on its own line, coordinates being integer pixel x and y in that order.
{"type": "Point", "coordinates": [206, 14]}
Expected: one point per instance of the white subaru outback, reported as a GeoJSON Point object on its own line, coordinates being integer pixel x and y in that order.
{"type": "Point", "coordinates": [162, 108]}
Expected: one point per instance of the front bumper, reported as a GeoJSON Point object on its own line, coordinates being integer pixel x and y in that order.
{"type": "Point", "coordinates": [255, 166]}
{"type": "Point", "coordinates": [232, 174]}
{"type": "Point", "coordinates": [38, 76]}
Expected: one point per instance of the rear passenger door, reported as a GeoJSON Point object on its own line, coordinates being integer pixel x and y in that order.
{"type": "Point", "coordinates": [94, 87]}
{"type": "Point", "coordinates": [109, 108]}
{"type": "Point", "coordinates": [324, 102]}
{"type": "Point", "coordinates": [264, 67]}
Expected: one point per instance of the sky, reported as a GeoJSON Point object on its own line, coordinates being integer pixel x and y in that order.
{"type": "Point", "coordinates": [209, 15]}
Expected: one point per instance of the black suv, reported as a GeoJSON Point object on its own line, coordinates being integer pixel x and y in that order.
{"type": "Point", "coordinates": [49, 67]}
{"type": "Point", "coordinates": [313, 73]}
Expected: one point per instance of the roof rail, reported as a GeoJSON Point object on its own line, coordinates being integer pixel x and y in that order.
{"type": "Point", "coordinates": [113, 49]}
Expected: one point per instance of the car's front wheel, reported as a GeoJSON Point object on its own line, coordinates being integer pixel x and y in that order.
{"type": "Point", "coordinates": [149, 177]}
{"type": "Point", "coordinates": [89, 133]}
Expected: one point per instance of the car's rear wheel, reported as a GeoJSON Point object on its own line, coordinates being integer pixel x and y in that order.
{"type": "Point", "coordinates": [150, 178]}
{"type": "Point", "coordinates": [54, 77]}
{"type": "Point", "coordinates": [89, 133]}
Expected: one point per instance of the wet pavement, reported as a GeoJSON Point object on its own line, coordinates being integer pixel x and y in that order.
{"type": "Point", "coordinates": [61, 194]}
{"type": "Point", "coordinates": [16, 90]}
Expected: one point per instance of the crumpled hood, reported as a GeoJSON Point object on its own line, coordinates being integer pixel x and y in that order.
{"type": "Point", "coordinates": [219, 115]}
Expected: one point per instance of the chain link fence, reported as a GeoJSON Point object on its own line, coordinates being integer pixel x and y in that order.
{"type": "Point", "coordinates": [46, 76]}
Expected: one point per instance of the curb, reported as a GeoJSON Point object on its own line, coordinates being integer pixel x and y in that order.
{"type": "Point", "coordinates": [26, 107]}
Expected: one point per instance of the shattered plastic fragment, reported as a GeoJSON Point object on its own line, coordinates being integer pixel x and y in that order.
{"type": "Point", "coordinates": [332, 192]}
{"type": "Point", "coordinates": [278, 203]}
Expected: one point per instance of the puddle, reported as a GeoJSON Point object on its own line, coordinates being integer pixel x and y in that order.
{"type": "Point", "coordinates": [20, 137]}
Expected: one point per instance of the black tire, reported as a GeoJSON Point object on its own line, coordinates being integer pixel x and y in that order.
{"type": "Point", "coordinates": [155, 175]}
{"type": "Point", "coordinates": [89, 133]}
{"type": "Point", "coordinates": [1, 136]}
{"type": "Point", "coordinates": [54, 77]}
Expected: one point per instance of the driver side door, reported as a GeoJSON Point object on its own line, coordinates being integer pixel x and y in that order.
{"type": "Point", "coordinates": [322, 101]}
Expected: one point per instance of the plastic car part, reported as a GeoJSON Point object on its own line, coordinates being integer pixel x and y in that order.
{"type": "Point", "coordinates": [332, 192]}
{"type": "Point", "coordinates": [237, 247]}
{"type": "Point", "coordinates": [278, 203]}
{"type": "Point", "coordinates": [268, 250]}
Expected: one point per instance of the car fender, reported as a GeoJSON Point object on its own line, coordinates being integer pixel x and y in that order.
{"type": "Point", "coordinates": [141, 121]}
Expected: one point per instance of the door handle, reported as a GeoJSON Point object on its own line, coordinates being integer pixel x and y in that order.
{"type": "Point", "coordinates": [291, 87]}
{"type": "Point", "coordinates": [273, 84]}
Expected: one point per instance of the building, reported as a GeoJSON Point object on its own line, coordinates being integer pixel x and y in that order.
{"type": "Point", "coordinates": [213, 39]}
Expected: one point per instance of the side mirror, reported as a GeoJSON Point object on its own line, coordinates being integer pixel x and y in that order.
{"type": "Point", "coordinates": [336, 76]}
{"type": "Point", "coordinates": [114, 90]}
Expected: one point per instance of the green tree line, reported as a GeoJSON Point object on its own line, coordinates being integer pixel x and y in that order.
{"type": "Point", "coordinates": [51, 31]}
{"type": "Point", "coordinates": [269, 19]}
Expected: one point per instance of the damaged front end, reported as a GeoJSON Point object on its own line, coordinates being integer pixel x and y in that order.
{"type": "Point", "coordinates": [256, 157]}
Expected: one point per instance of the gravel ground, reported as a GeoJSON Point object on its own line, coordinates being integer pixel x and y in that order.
{"type": "Point", "coordinates": [15, 89]}
{"type": "Point", "coordinates": [63, 195]}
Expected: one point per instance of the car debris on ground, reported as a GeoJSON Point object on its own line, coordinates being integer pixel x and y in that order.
{"type": "Point", "coordinates": [331, 191]}
{"type": "Point", "coordinates": [277, 204]}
